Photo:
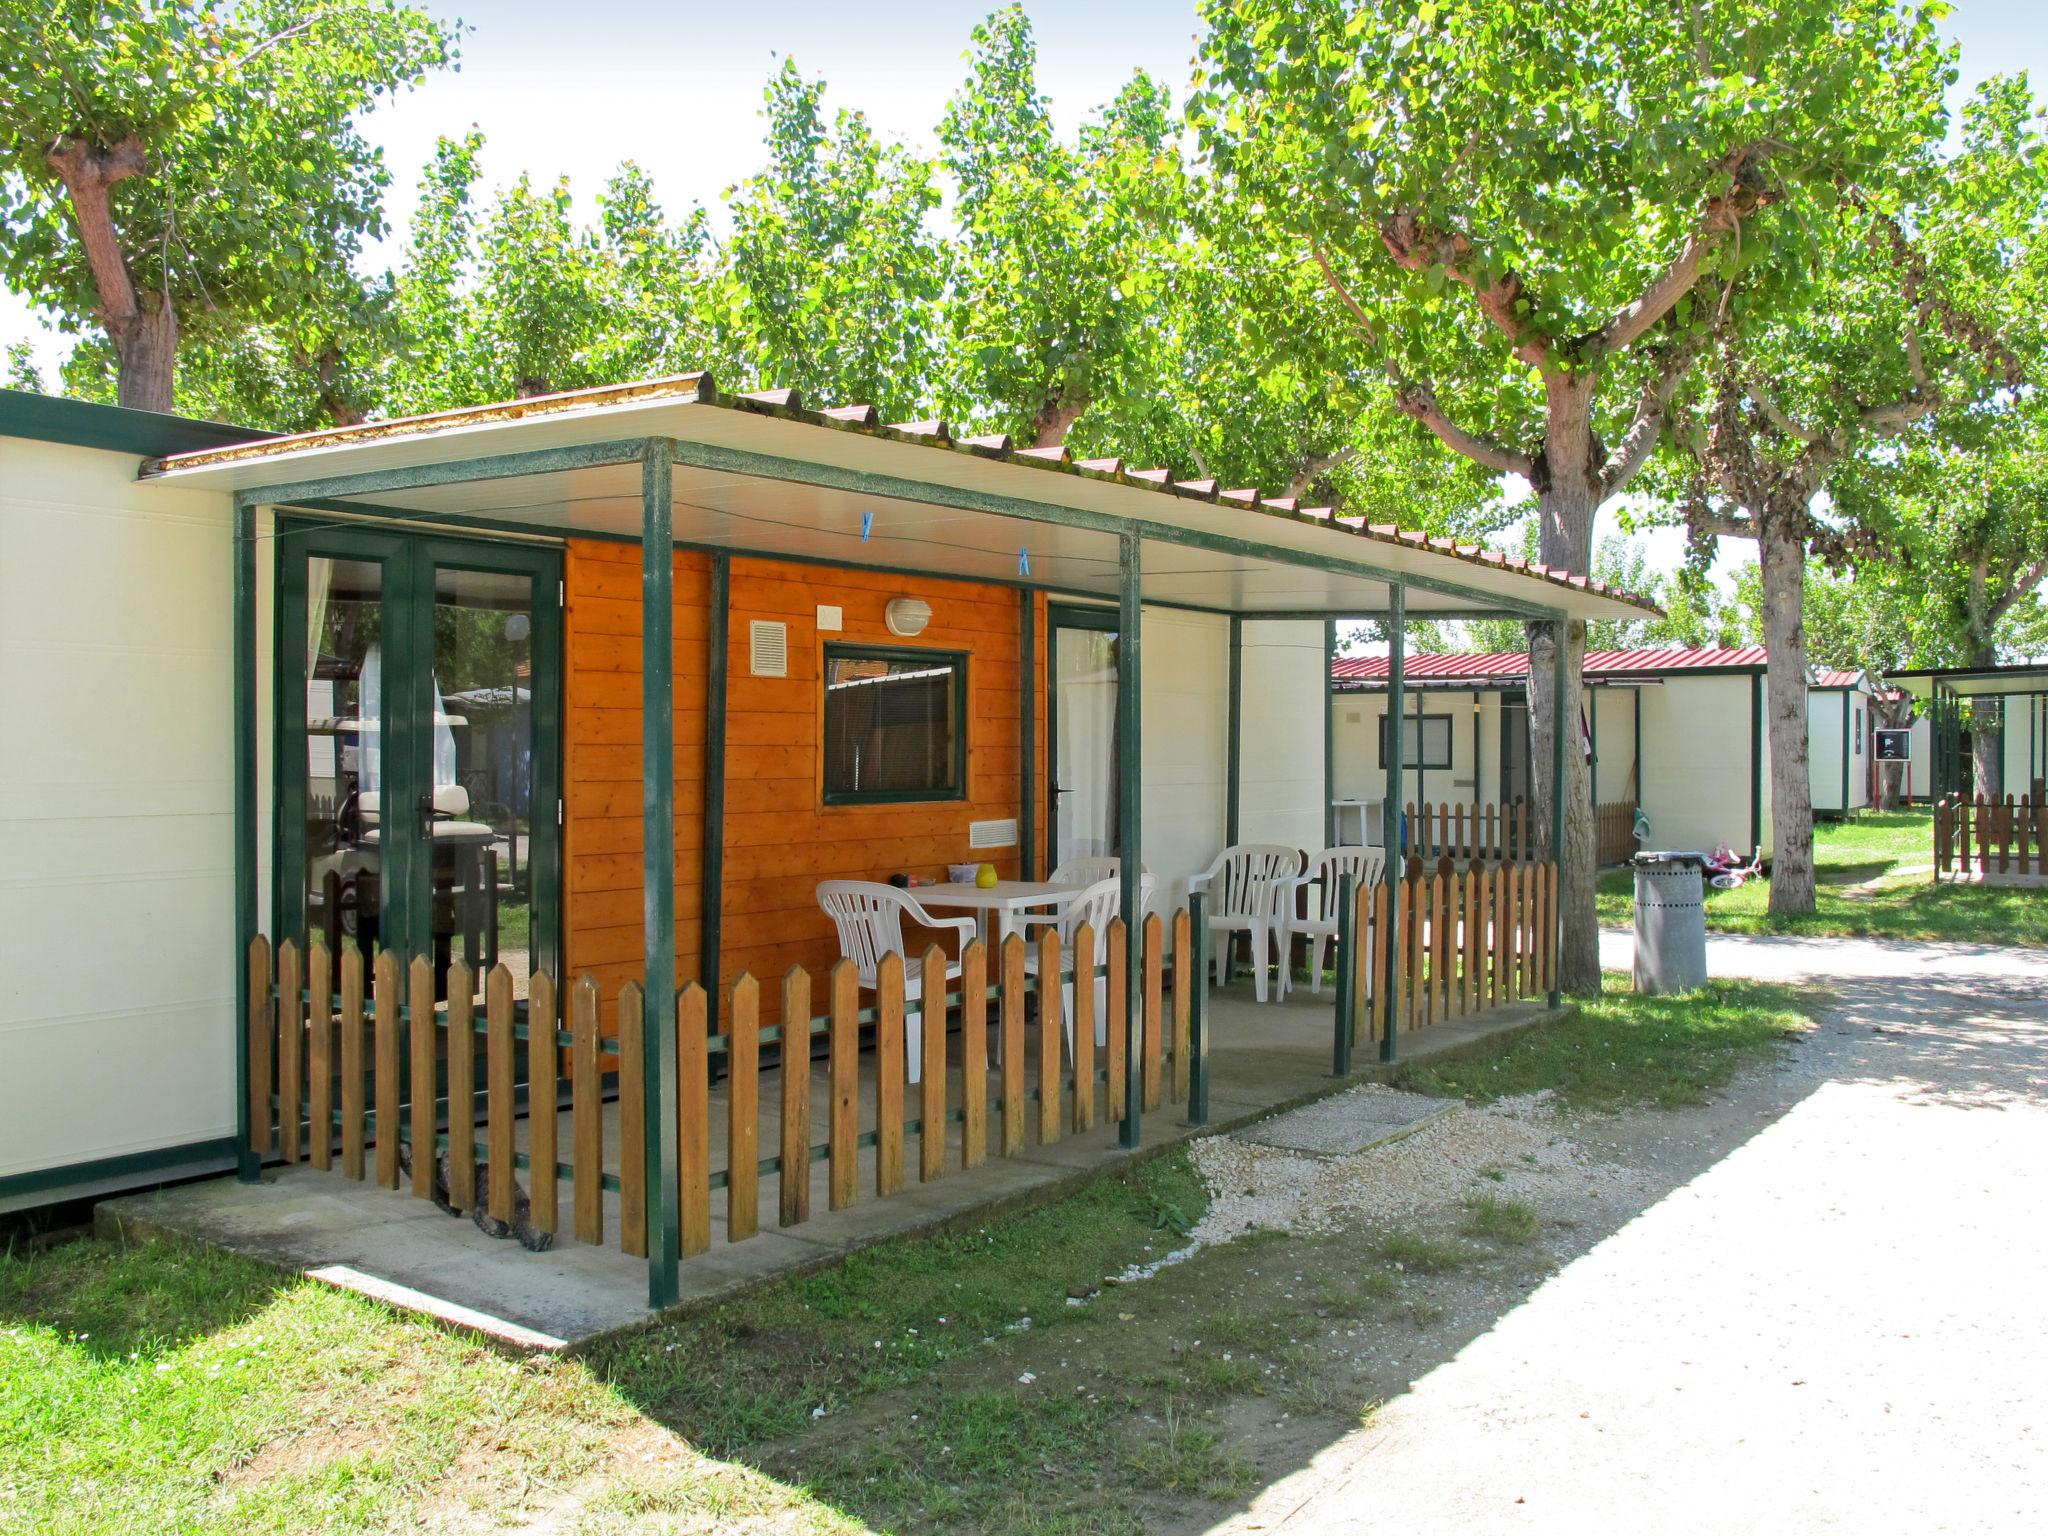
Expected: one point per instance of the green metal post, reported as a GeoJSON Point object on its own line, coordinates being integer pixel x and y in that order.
{"type": "Point", "coordinates": [1756, 761]}
{"type": "Point", "coordinates": [1845, 754]}
{"type": "Point", "coordinates": [1027, 755]}
{"type": "Point", "coordinates": [711, 902]}
{"type": "Point", "coordinates": [1233, 770]}
{"type": "Point", "coordinates": [1560, 672]}
{"type": "Point", "coordinates": [1329, 737]}
{"type": "Point", "coordinates": [1129, 814]}
{"type": "Point", "coordinates": [247, 1164]}
{"type": "Point", "coordinates": [1390, 817]}
{"type": "Point", "coordinates": [1347, 971]}
{"type": "Point", "coordinates": [658, 867]}
{"type": "Point", "coordinates": [1198, 1011]}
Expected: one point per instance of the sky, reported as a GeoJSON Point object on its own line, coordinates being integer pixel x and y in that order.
{"type": "Point", "coordinates": [573, 90]}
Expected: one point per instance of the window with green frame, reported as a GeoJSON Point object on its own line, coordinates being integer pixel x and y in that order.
{"type": "Point", "coordinates": [895, 724]}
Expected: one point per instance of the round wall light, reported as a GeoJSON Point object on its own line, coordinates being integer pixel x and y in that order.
{"type": "Point", "coordinates": [907, 616]}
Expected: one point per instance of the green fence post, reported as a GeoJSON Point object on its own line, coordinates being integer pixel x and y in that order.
{"type": "Point", "coordinates": [1198, 1011]}
{"type": "Point", "coordinates": [1347, 971]}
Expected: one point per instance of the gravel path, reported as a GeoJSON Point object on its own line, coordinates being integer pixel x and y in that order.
{"type": "Point", "coordinates": [1832, 1320]}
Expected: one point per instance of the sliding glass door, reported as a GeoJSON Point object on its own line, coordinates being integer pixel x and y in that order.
{"type": "Point", "coordinates": [1083, 667]}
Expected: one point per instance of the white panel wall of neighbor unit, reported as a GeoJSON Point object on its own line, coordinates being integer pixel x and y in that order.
{"type": "Point", "coordinates": [1457, 719]}
{"type": "Point", "coordinates": [1920, 765]}
{"type": "Point", "coordinates": [2026, 745]}
{"type": "Point", "coordinates": [1281, 796]}
{"type": "Point", "coordinates": [1696, 764]}
{"type": "Point", "coordinates": [117, 963]}
{"type": "Point", "coordinates": [1824, 744]}
{"type": "Point", "coordinates": [1186, 735]}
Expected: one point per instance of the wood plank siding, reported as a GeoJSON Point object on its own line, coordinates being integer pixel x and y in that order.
{"type": "Point", "coordinates": [780, 838]}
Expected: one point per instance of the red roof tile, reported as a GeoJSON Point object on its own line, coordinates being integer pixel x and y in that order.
{"type": "Point", "coordinates": [1488, 666]}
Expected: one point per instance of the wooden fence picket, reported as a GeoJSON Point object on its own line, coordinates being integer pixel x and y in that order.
{"type": "Point", "coordinates": [420, 1045]}
{"type": "Point", "coordinates": [843, 1067]}
{"type": "Point", "coordinates": [693, 1120]}
{"type": "Point", "coordinates": [889, 1075]}
{"type": "Point", "coordinates": [1049, 1032]}
{"type": "Point", "coordinates": [793, 1205]}
{"type": "Point", "coordinates": [973, 1055]}
{"type": "Point", "coordinates": [386, 1071]}
{"type": "Point", "coordinates": [351, 1026]}
{"type": "Point", "coordinates": [586, 1113]}
{"type": "Point", "coordinates": [1011, 1067]}
{"type": "Point", "coordinates": [543, 1095]}
{"type": "Point", "coordinates": [743, 1110]}
{"type": "Point", "coordinates": [500, 1109]}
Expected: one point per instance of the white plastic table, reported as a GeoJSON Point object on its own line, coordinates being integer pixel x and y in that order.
{"type": "Point", "coordinates": [1002, 902]}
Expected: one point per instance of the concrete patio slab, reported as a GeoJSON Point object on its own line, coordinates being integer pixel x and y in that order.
{"type": "Point", "coordinates": [1264, 1059]}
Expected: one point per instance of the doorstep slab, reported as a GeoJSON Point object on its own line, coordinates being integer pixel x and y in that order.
{"type": "Point", "coordinates": [1347, 1123]}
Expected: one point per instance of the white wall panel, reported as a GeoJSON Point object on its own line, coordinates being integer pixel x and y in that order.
{"type": "Point", "coordinates": [1186, 734]}
{"type": "Point", "coordinates": [1281, 796]}
{"type": "Point", "coordinates": [117, 941]}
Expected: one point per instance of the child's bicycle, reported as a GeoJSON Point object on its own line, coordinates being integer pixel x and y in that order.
{"type": "Point", "coordinates": [1726, 872]}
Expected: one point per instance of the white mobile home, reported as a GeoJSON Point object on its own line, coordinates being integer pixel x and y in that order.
{"type": "Point", "coordinates": [1677, 734]}
{"type": "Point", "coordinates": [401, 687]}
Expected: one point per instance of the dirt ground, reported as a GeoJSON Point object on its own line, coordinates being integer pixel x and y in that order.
{"type": "Point", "coordinates": [1810, 1303]}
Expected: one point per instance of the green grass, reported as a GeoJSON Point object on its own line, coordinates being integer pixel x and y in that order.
{"type": "Point", "coordinates": [890, 1315]}
{"type": "Point", "coordinates": [1865, 890]}
{"type": "Point", "coordinates": [163, 1389]}
{"type": "Point", "coordinates": [1621, 1050]}
{"type": "Point", "coordinates": [1506, 1223]}
{"type": "Point", "coordinates": [1414, 1254]}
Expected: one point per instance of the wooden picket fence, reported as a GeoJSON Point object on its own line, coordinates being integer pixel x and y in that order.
{"type": "Point", "coordinates": [1986, 836]}
{"type": "Point", "coordinates": [1471, 830]}
{"type": "Point", "coordinates": [330, 1075]}
{"type": "Point", "coordinates": [1467, 939]}
{"type": "Point", "coordinates": [1614, 832]}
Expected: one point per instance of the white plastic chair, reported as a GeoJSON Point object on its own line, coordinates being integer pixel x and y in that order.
{"type": "Point", "coordinates": [1088, 869]}
{"type": "Point", "coordinates": [869, 917]}
{"type": "Point", "coordinates": [1321, 887]}
{"type": "Point", "coordinates": [1246, 886]}
{"type": "Point", "coordinates": [1097, 906]}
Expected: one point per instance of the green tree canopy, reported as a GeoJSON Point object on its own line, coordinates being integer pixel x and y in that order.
{"type": "Point", "coordinates": [182, 167]}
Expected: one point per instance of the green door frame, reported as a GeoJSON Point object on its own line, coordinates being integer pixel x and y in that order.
{"type": "Point", "coordinates": [408, 560]}
{"type": "Point", "coordinates": [1059, 616]}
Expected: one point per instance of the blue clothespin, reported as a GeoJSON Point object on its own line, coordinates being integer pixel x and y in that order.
{"type": "Point", "coordinates": [867, 525]}
{"type": "Point", "coordinates": [1023, 562]}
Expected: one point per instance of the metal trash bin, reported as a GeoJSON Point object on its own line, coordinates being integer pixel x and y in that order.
{"type": "Point", "coordinates": [1671, 923]}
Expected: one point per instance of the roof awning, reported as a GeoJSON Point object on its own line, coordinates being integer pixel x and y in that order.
{"type": "Point", "coordinates": [758, 474]}
{"type": "Point", "coordinates": [1972, 682]}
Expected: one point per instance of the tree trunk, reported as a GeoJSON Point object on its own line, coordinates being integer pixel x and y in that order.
{"type": "Point", "coordinates": [1987, 746]}
{"type": "Point", "coordinates": [143, 329]}
{"type": "Point", "coordinates": [1782, 556]}
{"type": "Point", "coordinates": [1567, 496]}
{"type": "Point", "coordinates": [146, 358]}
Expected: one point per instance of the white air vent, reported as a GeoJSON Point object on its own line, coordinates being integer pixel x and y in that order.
{"type": "Point", "coordinates": [992, 834]}
{"type": "Point", "coordinates": [769, 643]}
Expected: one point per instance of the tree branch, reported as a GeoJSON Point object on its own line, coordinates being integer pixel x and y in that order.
{"type": "Point", "coordinates": [1778, 418]}
{"type": "Point", "coordinates": [2029, 579]}
{"type": "Point", "coordinates": [1640, 441]}
{"type": "Point", "coordinates": [1419, 401]}
{"type": "Point", "coordinates": [1502, 300]}
{"type": "Point", "coordinates": [1338, 287]}
{"type": "Point", "coordinates": [87, 171]}
{"type": "Point", "coordinates": [1720, 216]}
{"type": "Point", "coordinates": [1314, 468]}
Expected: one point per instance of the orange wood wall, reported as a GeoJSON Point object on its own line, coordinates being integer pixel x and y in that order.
{"type": "Point", "coordinates": [780, 838]}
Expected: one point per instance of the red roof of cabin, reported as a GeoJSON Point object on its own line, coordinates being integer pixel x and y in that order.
{"type": "Point", "coordinates": [1490, 666]}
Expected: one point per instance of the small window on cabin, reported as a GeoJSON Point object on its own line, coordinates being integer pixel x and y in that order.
{"type": "Point", "coordinates": [1859, 730]}
{"type": "Point", "coordinates": [895, 725]}
{"type": "Point", "coordinates": [1425, 741]}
